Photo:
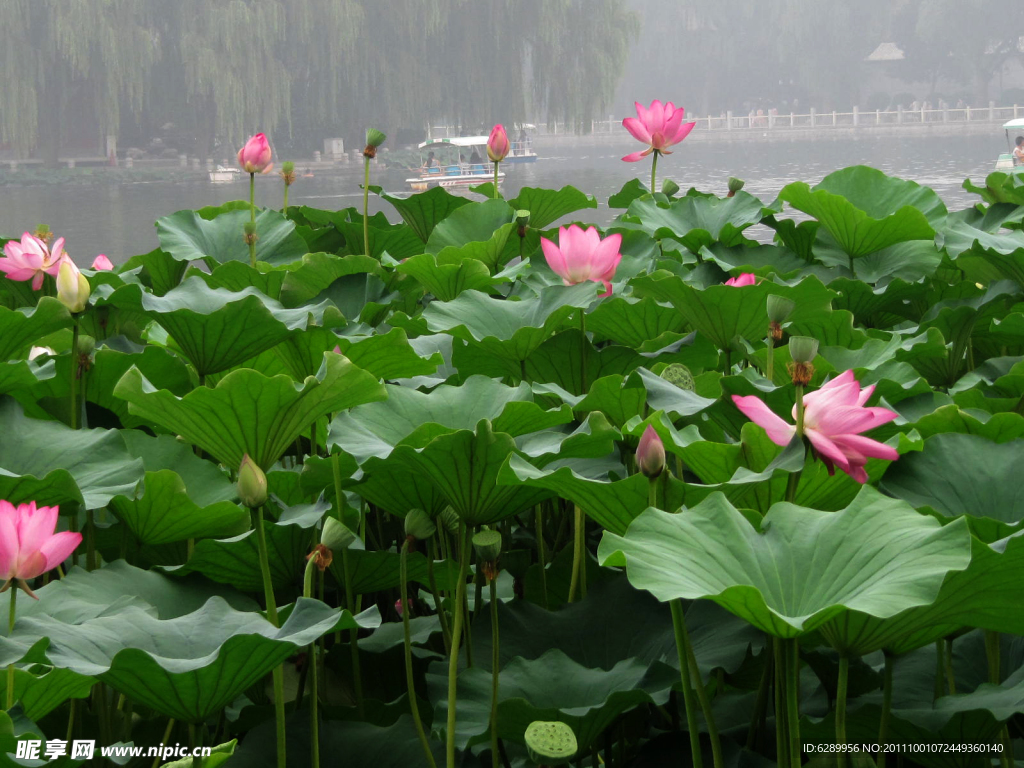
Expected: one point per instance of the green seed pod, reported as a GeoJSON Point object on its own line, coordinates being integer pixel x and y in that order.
{"type": "Point", "coordinates": [680, 375]}
{"type": "Point", "coordinates": [780, 308]}
{"type": "Point", "coordinates": [336, 536]}
{"type": "Point", "coordinates": [550, 743]}
{"type": "Point", "coordinates": [86, 344]}
{"type": "Point", "coordinates": [803, 349]}
{"type": "Point", "coordinates": [288, 167]}
{"type": "Point", "coordinates": [735, 185]}
{"type": "Point", "coordinates": [419, 525]}
{"type": "Point", "coordinates": [669, 187]}
{"type": "Point", "coordinates": [487, 545]}
{"type": "Point", "coordinates": [374, 138]}
{"type": "Point", "coordinates": [523, 218]}
{"type": "Point", "coordinates": [449, 519]}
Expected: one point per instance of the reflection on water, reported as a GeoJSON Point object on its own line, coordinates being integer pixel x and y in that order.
{"type": "Point", "coordinates": [118, 220]}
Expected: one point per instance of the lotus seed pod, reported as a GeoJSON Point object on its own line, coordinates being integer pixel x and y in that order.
{"type": "Point", "coordinates": [418, 525]}
{"type": "Point", "coordinates": [780, 308]}
{"type": "Point", "coordinates": [680, 375]}
{"type": "Point", "coordinates": [803, 349]}
{"type": "Point", "coordinates": [487, 545]}
{"type": "Point", "coordinates": [336, 535]}
{"type": "Point", "coordinates": [374, 138]}
{"type": "Point", "coordinates": [735, 185]}
{"type": "Point", "coordinates": [449, 519]}
{"type": "Point", "coordinates": [550, 743]}
{"type": "Point", "coordinates": [86, 344]}
{"type": "Point", "coordinates": [252, 484]}
{"type": "Point", "coordinates": [669, 187]}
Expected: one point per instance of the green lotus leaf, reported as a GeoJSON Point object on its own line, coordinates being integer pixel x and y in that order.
{"type": "Point", "coordinates": [425, 210]}
{"type": "Point", "coordinates": [39, 695]}
{"type": "Point", "coordinates": [449, 273]}
{"type": "Point", "coordinates": [396, 489]}
{"type": "Point", "coordinates": [187, 667]}
{"type": "Point", "coordinates": [631, 190]}
{"type": "Point", "coordinates": [375, 571]}
{"type": "Point", "coordinates": [587, 700]}
{"type": "Point", "coordinates": [191, 236]}
{"type": "Point", "coordinates": [801, 568]}
{"type": "Point", "coordinates": [763, 260]}
{"type": "Point", "coordinates": [205, 481]}
{"type": "Point", "coordinates": [414, 418]}
{"type": "Point", "coordinates": [698, 221]}
{"type": "Point", "coordinates": [49, 463]}
{"type": "Point", "coordinates": [979, 234]}
{"type": "Point", "coordinates": [218, 756]}
{"type": "Point", "coordinates": [217, 328]}
{"type": "Point", "coordinates": [161, 512]}
{"type": "Point", "coordinates": [481, 230]}
{"type": "Point", "coordinates": [508, 329]}
{"type": "Point", "coordinates": [157, 270]}
{"type": "Point", "coordinates": [23, 374]}
{"type": "Point", "coordinates": [865, 211]}
{"type": "Point", "coordinates": [249, 413]}
{"type": "Point", "coordinates": [317, 271]}
{"type": "Point", "coordinates": [999, 188]}
{"type": "Point", "coordinates": [998, 428]}
{"type": "Point", "coordinates": [20, 327]}
{"type": "Point", "coordinates": [954, 476]}
{"type": "Point", "coordinates": [237, 276]}
{"type": "Point", "coordinates": [387, 355]}
{"type": "Point", "coordinates": [592, 439]}
{"type": "Point", "coordinates": [634, 323]}
{"type": "Point", "coordinates": [397, 241]}
{"type": "Point", "coordinates": [546, 206]}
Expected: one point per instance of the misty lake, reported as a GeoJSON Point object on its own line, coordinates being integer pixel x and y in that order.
{"type": "Point", "coordinates": [118, 219]}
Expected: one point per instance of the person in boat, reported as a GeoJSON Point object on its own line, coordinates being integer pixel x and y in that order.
{"type": "Point", "coordinates": [474, 159]}
{"type": "Point", "coordinates": [1018, 151]}
{"type": "Point", "coordinates": [431, 161]}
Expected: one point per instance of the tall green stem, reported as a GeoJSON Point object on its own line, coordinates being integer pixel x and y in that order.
{"type": "Point", "coordinates": [496, 164]}
{"type": "Point", "coordinates": [947, 659]}
{"type": "Point", "coordinates": [841, 687]}
{"type": "Point", "coordinates": [583, 351]}
{"type": "Point", "coordinates": [278, 674]}
{"type": "Point", "coordinates": [252, 218]}
{"type": "Point", "coordinates": [679, 625]}
{"type": "Point", "coordinates": [10, 630]}
{"type": "Point", "coordinates": [441, 613]}
{"type": "Point", "coordinates": [761, 704]}
{"type": "Point", "coordinates": [286, 201]}
{"type": "Point", "coordinates": [166, 740]}
{"type": "Point", "coordinates": [992, 654]}
{"type": "Point", "coordinates": [90, 541]}
{"type": "Point", "coordinates": [770, 366]}
{"type": "Point", "coordinates": [453, 659]}
{"type": "Point", "coordinates": [792, 648]}
{"type": "Point", "coordinates": [883, 725]}
{"type": "Point", "coordinates": [73, 393]}
{"type": "Point", "coordinates": [311, 665]}
{"type": "Point", "coordinates": [495, 667]}
{"type": "Point", "coordinates": [702, 697]}
{"type": "Point", "coordinates": [366, 206]}
{"type": "Point", "coordinates": [350, 603]}
{"type": "Point", "coordinates": [654, 170]}
{"type": "Point", "coordinates": [782, 744]}
{"type": "Point", "coordinates": [578, 557]}
{"type": "Point", "coordinates": [542, 557]}
{"type": "Point", "coordinates": [410, 682]}
{"type": "Point", "coordinates": [794, 478]}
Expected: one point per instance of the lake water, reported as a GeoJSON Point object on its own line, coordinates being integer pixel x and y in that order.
{"type": "Point", "coordinates": [118, 219]}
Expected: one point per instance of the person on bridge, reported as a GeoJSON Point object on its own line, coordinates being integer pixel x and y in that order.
{"type": "Point", "coordinates": [1018, 151]}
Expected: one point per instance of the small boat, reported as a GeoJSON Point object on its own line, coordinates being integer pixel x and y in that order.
{"type": "Point", "coordinates": [521, 150]}
{"type": "Point", "coordinates": [223, 174]}
{"type": "Point", "coordinates": [446, 166]}
{"type": "Point", "coordinates": [1005, 161]}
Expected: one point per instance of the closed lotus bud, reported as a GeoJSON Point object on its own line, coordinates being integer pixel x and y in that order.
{"type": "Point", "coordinates": [803, 349]}
{"type": "Point", "coordinates": [780, 308]}
{"type": "Point", "coordinates": [669, 187]}
{"type": "Point", "coordinates": [497, 144]}
{"type": "Point", "coordinates": [418, 525]}
{"type": "Point", "coordinates": [102, 264]}
{"type": "Point", "coordinates": [374, 139]}
{"type": "Point", "coordinates": [255, 156]}
{"type": "Point", "coordinates": [288, 172]}
{"type": "Point", "coordinates": [72, 287]}
{"type": "Point", "coordinates": [336, 536]}
{"type": "Point", "coordinates": [735, 185]}
{"type": "Point", "coordinates": [550, 743]}
{"type": "Point", "coordinates": [252, 484]}
{"type": "Point", "coordinates": [650, 454]}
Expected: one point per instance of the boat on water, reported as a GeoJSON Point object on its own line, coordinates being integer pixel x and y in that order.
{"type": "Point", "coordinates": [1005, 161]}
{"type": "Point", "coordinates": [444, 163]}
{"type": "Point", "coordinates": [521, 148]}
{"type": "Point", "coordinates": [222, 174]}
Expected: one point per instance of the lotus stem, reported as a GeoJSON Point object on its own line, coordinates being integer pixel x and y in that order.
{"type": "Point", "coordinates": [90, 541]}
{"type": "Point", "coordinates": [441, 615]}
{"type": "Point", "coordinates": [761, 703]}
{"type": "Point", "coordinates": [794, 478]}
{"type": "Point", "coordinates": [702, 697]}
{"type": "Point", "coordinates": [286, 200]}
{"type": "Point", "coordinates": [197, 760]}
{"type": "Point", "coordinates": [410, 682]}
{"type": "Point", "coordinates": [311, 664]}
{"type": "Point", "coordinates": [578, 562]}
{"type": "Point", "coordinates": [453, 658]}
{"type": "Point", "coordinates": [947, 659]}
{"type": "Point", "coordinates": [366, 206]}
{"type": "Point", "coordinates": [770, 366]}
{"type": "Point", "coordinates": [10, 631]}
{"type": "Point", "coordinates": [883, 725]}
{"type": "Point", "coordinates": [495, 666]}
{"type": "Point", "coordinates": [166, 740]}
{"type": "Point", "coordinates": [252, 218]}
{"type": "Point", "coordinates": [682, 641]}
{"type": "Point", "coordinates": [583, 351]}
{"type": "Point", "coordinates": [792, 648]}
{"type": "Point", "coordinates": [654, 171]}
{"type": "Point", "coordinates": [278, 673]}
{"type": "Point", "coordinates": [542, 556]}
{"type": "Point", "coordinates": [73, 392]}
{"type": "Point", "coordinates": [841, 688]}
{"type": "Point", "coordinates": [495, 195]}
{"type": "Point", "coordinates": [350, 604]}
{"type": "Point", "coordinates": [992, 654]}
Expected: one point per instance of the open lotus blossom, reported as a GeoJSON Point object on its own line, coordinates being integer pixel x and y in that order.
{"type": "Point", "coordinates": [660, 127]}
{"type": "Point", "coordinates": [497, 144]}
{"type": "Point", "coordinates": [834, 417]}
{"type": "Point", "coordinates": [582, 255]}
{"type": "Point", "coordinates": [31, 259]}
{"type": "Point", "coordinates": [102, 264]}
{"type": "Point", "coordinates": [254, 157]}
{"type": "Point", "coordinates": [28, 545]}
{"type": "Point", "coordinates": [747, 278]}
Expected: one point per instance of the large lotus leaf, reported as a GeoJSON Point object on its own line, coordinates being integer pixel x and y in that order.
{"type": "Point", "coordinates": [801, 568]}
{"type": "Point", "coordinates": [867, 301]}
{"type": "Point", "coordinates": [161, 512]}
{"type": "Point", "coordinates": [188, 667]}
{"type": "Point", "coordinates": [24, 375]}
{"type": "Point", "coordinates": [449, 273]}
{"type": "Point", "coordinates": [396, 489]}
{"type": "Point", "coordinates": [508, 329]}
{"type": "Point", "coordinates": [217, 328]}
{"type": "Point", "coordinates": [723, 312]}
{"type": "Point", "coordinates": [157, 270]}
{"type": "Point", "coordinates": [205, 481]}
{"type": "Point", "coordinates": [631, 190]}
{"type": "Point", "coordinates": [398, 241]}
{"type": "Point", "coordinates": [425, 210]}
{"type": "Point", "coordinates": [20, 327]}
{"type": "Point", "coordinates": [959, 475]}
{"type": "Point", "coordinates": [999, 428]}
{"type": "Point", "coordinates": [634, 322]}
{"type": "Point", "coordinates": [999, 188]}
{"type": "Point", "coordinates": [375, 571]}
{"type": "Point", "coordinates": [698, 221]}
{"type": "Point", "coordinates": [249, 413]}
{"type": "Point", "coordinates": [546, 206]}
{"type": "Point", "coordinates": [587, 700]}
{"type": "Point", "coordinates": [217, 757]}
{"type": "Point", "coordinates": [594, 438]}
{"type": "Point", "coordinates": [39, 695]}
{"type": "Point", "coordinates": [384, 355]}
{"type": "Point", "coordinates": [189, 236]}
{"type": "Point", "coordinates": [865, 211]}
{"type": "Point", "coordinates": [237, 276]}
{"type": "Point", "coordinates": [986, 256]}
{"type": "Point", "coordinates": [317, 271]}
{"type": "Point", "coordinates": [473, 223]}
{"type": "Point", "coordinates": [414, 418]}
{"type": "Point", "coordinates": [50, 463]}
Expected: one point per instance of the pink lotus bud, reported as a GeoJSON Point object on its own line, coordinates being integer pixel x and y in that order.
{"type": "Point", "coordinates": [650, 454]}
{"type": "Point", "coordinates": [28, 545]}
{"type": "Point", "coordinates": [102, 263]}
{"type": "Point", "coordinates": [399, 609]}
{"type": "Point", "coordinates": [254, 157]}
{"type": "Point", "coordinates": [497, 144]}
{"type": "Point", "coordinates": [747, 278]}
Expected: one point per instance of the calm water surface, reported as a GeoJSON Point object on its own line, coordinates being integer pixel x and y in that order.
{"type": "Point", "coordinates": [118, 219]}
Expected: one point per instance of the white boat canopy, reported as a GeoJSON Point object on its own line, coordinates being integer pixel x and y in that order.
{"type": "Point", "coordinates": [457, 141]}
{"type": "Point", "coordinates": [1018, 123]}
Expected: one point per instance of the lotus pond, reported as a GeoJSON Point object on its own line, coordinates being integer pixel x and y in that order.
{"type": "Point", "coordinates": [739, 482]}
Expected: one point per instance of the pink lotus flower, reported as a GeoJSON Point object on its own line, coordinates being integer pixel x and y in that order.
{"type": "Point", "coordinates": [582, 255]}
{"type": "Point", "coordinates": [254, 157]}
{"type": "Point", "coordinates": [834, 417]}
{"type": "Point", "coordinates": [30, 259]}
{"type": "Point", "coordinates": [650, 454]}
{"type": "Point", "coordinates": [497, 144]}
{"type": "Point", "coordinates": [660, 127]}
{"type": "Point", "coordinates": [102, 264]}
{"type": "Point", "coordinates": [747, 278]}
{"type": "Point", "coordinates": [28, 545]}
